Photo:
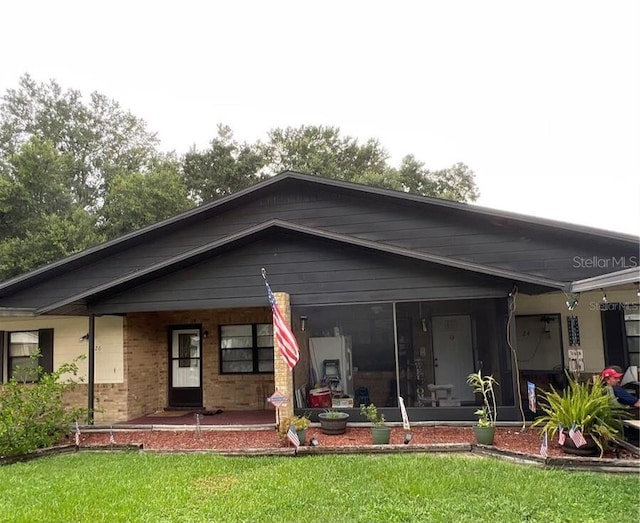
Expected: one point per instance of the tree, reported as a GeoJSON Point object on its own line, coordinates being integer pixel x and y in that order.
{"type": "Point", "coordinates": [455, 183]}
{"type": "Point", "coordinates": [39, 221]}
{"type": "Point", "coordinates": [135, 200]}
{"type": "Point", "coordinates": [225, 168]}
{"type": "Point", "coordinates": [99, 137]}
{"type": "Point", "coordinates": [323, 151]}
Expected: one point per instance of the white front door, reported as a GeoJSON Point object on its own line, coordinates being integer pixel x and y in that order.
{"type": "Point", "coordinates": [453, 354]}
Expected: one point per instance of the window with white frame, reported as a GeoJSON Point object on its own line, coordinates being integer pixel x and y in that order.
{"type": "Point", "coordinates": [22, 347]}
{"type": "Point", "coordinates": [246, 349]}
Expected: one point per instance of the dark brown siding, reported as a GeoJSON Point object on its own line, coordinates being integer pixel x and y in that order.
{"type": "Point", "coordinates": [551, 252]}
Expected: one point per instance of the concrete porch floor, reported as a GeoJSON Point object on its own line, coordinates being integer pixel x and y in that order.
{"type": "Point", "coordinates": [208, 419]}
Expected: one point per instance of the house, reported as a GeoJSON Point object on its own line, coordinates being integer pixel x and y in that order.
{"type": "Point", "coordinates": [416, 292]}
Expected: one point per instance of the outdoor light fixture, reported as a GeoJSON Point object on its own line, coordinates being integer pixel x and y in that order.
{"type": "Point", "coordinates": [424, 325]}
{"type": "Point", "coordinates": [314, 442]}
{"type": "Point", "coordinates": [205, 334]}
{"type": "Point", "coordinates": [572, 301]}
{"type": "Point", "coordinates": [84, 338]}
{"type": "Point", "coordinates": [604, 296]}
{"type": "Point", "coordinates": [303, 323]}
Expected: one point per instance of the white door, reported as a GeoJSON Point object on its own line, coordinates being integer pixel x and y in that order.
{"type": "Point", "coordinates": [453, 354]}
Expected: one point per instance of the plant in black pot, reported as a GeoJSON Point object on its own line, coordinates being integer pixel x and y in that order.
{"type": "Point", "coordinates": [333, 421]}
{"type": "Point", "coordinates": [484, 385]}
{"type": "Point", "coordinates": [380, 434]}
{"type": "Point", "coordinates": [584, 417]}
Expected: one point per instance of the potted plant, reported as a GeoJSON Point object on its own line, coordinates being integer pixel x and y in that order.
{"type": "Point", "coordinates": [584, 407]}
{"type": "Point", "coordinates": [485, 429]}
{"type": "Point", "coordinates": [333, 421]}
{"type": "Point", "coordinates": [380, 433]}
{"type": "Point", "coordinates": [301, 423]}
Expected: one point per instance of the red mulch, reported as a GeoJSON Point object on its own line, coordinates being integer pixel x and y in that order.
{"type": "Point", "coordinates": [513, 439]}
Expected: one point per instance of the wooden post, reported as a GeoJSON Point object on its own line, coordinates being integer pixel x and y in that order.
{"type": "Point", "coordinates": [283, 377]}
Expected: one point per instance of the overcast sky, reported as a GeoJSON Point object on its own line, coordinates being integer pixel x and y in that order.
{"type": "Point", "coordinates": [541, 99]}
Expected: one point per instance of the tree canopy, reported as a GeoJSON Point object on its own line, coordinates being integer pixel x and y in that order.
{"type": "Point", "coordinates": [76, 172]}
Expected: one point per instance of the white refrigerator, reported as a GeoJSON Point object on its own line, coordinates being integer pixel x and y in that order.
{"type": "Point", "coordinates": [333, 348]}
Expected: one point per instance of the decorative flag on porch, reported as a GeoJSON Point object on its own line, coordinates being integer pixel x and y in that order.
{"type": "Point", "coordinates": [77, 434]}
{"type": "Point", "coordinates": [293, 436]}
{"type": "Point", "coordinates": [544, 448]}
{"type": "Point", "coordinates": [286, 340]}
{"type": "Point", "coordinates": [561, 436]}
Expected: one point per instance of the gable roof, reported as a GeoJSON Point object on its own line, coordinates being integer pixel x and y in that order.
{"type": "Point", "coordinates": [284, 179]}
{"type": "Point", "coordinates": [194, 256]}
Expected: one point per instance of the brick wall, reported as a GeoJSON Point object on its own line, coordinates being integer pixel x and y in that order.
{"type": "Point", "coordinates": [146, 361]}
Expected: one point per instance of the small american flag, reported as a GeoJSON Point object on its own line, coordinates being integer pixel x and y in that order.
{"type": "Point", "coordinates": [77, 434]}
{"type": "Point", "coordinates": [112, 440]}
{"type": "Point", "coordinates": [286, 340]}
{"type": "Point", "coordinates": [544, 448]}
{"type": "Point", "coordinates": [576, 436]}
{"type": "Point", "coordinates": [561, 435]}
{"type": "Point", "coordinates": [293, 436]}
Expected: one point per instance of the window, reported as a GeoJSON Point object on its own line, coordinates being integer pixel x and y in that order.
{"type": "Point", "coordinates": [246, 349]}
{"type": "Point", "coordinates": [632, 331]}
{"type": "Point", "coordinates": [21, 346]}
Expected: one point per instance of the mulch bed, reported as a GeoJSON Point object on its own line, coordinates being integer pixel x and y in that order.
{"type": "Point", "coordinates": [515, 440]}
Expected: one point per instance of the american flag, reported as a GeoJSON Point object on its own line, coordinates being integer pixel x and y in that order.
{"type": "Point", "coordinates": [561, 435]}
{"type": "Point", "coordinates": [112, 440]}
{"type": "Point", "coordinates": [576, 436]}
{"type": "Point", "coordinates": [545, 446]}
{"type": "Point", "coordinates": [77, 435]}
{"type": "Point", "coordinates": [293, 436]}
{"type": "Point", "coordinates": [286, 340]}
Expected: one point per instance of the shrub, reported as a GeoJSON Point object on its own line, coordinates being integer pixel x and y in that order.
{"type": "Point", "coordinates": [32, 415]}
{"type": "Point", "coordinates": [299, 423]}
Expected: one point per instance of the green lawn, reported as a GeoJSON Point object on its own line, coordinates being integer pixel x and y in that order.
{"type": "Point", "coordinates": [93, 487]}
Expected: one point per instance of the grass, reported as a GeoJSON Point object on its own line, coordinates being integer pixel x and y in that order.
{"type": "Point", "coordinates": [113, 487]}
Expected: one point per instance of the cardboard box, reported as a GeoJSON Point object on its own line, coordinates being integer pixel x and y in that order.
{"type": "Point", "coordinates": [342, 403]}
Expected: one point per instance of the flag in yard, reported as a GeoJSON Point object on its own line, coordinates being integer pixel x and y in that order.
{"type": "Point", "coordinates": [544, 448]}
{"type": "Point", "coordinates": [77, 435]}
{"type": "Point", "coordinates": [112, 440]}
{"type": "Point", "coordinates": [576, 436]}
{"type": "Point", "coordinates": [286, 340]}
{"type": "Point", "coordinates": [293, 436]}
{"type": "Point", "coordinates": [405, 417]}
{"type": "Point", "coordinates": [531, 393]}
{"type": "Point", "coordinates": [561, 435]}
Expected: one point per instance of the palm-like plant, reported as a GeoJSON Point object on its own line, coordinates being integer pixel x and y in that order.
{"type": "Point", "coordinates": [587, 406]}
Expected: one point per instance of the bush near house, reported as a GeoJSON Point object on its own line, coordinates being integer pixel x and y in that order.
{"type": "Point", "coordinates": [32, 414]}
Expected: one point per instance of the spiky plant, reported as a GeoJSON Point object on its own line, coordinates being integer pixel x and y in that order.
{"type": "Point", "coordinates": [586, 405]}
